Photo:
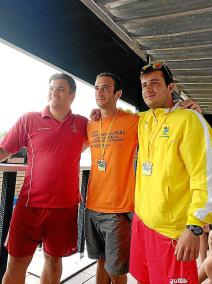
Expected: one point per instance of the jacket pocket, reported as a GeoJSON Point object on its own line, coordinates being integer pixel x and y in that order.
{"type": "Point", "coordinates": [165, 206]}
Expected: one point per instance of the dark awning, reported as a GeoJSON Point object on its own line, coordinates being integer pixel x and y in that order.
{"type": "Point", "coordinates": [68, 35]}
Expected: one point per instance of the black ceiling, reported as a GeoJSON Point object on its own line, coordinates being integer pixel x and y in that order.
{"type": "Point", "coordinates": [68, 35]}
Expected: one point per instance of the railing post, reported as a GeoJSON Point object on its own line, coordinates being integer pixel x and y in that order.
{"type": "Point", "coordinates": [81, 215]}
{"type": "Point", "coordinates": [6, 208]}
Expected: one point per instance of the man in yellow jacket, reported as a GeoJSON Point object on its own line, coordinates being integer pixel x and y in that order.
{"type": "Point", "coordinates": [173, 197]}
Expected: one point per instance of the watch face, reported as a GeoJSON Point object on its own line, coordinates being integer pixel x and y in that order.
{"type": "Point", "coordinates": [196, 230]}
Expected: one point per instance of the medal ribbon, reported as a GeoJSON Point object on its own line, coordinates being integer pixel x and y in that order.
{"type": "Point", "coordinates": [103, 145]}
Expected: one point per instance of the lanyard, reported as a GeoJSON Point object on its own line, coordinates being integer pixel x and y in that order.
{"type": "Point", "coordinates": [103, 145]}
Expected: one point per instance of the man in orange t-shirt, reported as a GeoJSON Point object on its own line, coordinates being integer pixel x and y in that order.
{"type": "Point", "coordinates": [113, 143]}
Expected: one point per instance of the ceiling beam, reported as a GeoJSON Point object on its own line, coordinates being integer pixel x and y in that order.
{"type": "Point", "coordinates": [133, 44]}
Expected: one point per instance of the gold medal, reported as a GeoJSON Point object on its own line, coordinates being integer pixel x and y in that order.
{"type": "Point", "coordinates": [101, 166]}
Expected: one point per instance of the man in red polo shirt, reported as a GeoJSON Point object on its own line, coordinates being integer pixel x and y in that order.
{"type": "Point", "coordinates": [47, 206]}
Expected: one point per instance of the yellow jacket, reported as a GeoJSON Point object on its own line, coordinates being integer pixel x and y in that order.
{"type": "Point", "coordinates": [176, 189]}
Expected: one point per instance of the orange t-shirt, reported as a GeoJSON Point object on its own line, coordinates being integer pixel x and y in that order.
{"type": "Point", "coordinates": [113, 190]}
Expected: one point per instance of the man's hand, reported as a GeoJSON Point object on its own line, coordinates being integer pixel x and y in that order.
{"type": "Point", "coordinates": [206, 228]}
{"type": "Point", "coordinates": [192, 105]}
{"type": "Point", "coordinates": [4, 154]}
{"type": "Point", "coordinates": [187, 247]}
{"type": "Point", "coordinates": [95, 114]}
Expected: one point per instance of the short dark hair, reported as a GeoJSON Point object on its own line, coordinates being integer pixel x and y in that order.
{"type": "Point", "coordinates": [68, 78]}
{"type": "Point", "coordinates": [167, 74]}
{"type": "Point", "coordinates": [116, 79]}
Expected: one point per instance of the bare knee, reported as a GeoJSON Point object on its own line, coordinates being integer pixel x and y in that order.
{"type": "Point", "coordinates": [119, 279]}
{"type": "Point", "coordinates": [16, 270]}
{"type": "Point", "coordinates": [53, 262]}
{"type": "Point", "coordinates": [18, 263]}
{"type": "Point", "coordinates": [52, 270]}
{"type": "Point", "coordinates": [115, 279]}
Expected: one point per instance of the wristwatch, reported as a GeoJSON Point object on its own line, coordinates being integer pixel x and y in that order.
{"type": "Point", "coordinates": [196, 230]}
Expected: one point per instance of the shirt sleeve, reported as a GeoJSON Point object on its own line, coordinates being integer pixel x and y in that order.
{"type": "Point", "coordinates": [196, 152]}
{"type": "Point", "coordinates": [85, 141]}
{"type": "Point", "coordinates": [16, 138]}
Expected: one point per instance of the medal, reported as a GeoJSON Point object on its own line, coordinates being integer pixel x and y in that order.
{"type": "Point", "coordinates": [101, 165]}
{"type": "Point", "coordinates": [147, 168]}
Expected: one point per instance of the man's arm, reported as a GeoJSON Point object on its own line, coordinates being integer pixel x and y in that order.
{"type": "Point", "coordinates": [15, 139]}
{"type": "Point", "coordinates": [3, 154]}
{"type": "Point", "coordinates": [196, 153]}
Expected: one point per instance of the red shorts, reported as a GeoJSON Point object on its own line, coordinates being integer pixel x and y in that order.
{"type": "Point", "coordinates": [152, 258]}
{"type": "Point", "coordinates": [56, 228]}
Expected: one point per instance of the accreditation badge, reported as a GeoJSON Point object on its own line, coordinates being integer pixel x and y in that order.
{"type": "Point", "coordinates": [101, 166]}
{"type": "Point", "coordinates": [147, 168]}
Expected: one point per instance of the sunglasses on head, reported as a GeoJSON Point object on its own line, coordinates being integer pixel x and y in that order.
{"type": "Point", "coordinates": [158, 66]}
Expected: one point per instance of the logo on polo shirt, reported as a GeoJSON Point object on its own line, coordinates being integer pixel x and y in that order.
{"type": "Point", "coordinates": [74, 129]}
{"type": "Point", "coordinates": [178, 280]}
{"type": "Point", "coordinates": [165, 132]}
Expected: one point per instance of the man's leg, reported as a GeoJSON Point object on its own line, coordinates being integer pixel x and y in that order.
{"type": "Point", "coordinates": [52, 270]}
{"type": "Point", "coordinates": [138, 263]}
{"type": "Point", "coordinates": [21, 242]}
{"type": "Point", "coordinates": [102, 277]}
{"type": "Point", "coordinates": [119, 279]}
{"type": "Point", "coordinates": [96, 245]}
{"type": "Point", "coordinates": [117, 230]}
{"type": "Point", "coordinates": [108, 235]}
{"type": "Point", "coordinates": [59, 239]}
{"type": "Point", "coordinates": [16, 270]}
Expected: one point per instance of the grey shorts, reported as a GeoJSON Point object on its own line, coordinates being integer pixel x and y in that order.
{"type": "Point", "coordinates": [108, 236]}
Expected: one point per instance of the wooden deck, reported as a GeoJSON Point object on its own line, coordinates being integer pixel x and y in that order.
{"type": "Point", "coordinates": [86, 276]}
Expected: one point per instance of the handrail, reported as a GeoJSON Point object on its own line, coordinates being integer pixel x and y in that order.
{"type": "Point", "coordinates": [12, 167]}
{"type": "Point", "coordinates": [6, 206]}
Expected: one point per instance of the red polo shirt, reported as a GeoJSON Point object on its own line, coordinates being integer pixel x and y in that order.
{"type": "Point", "coordinates": [54, 149]}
